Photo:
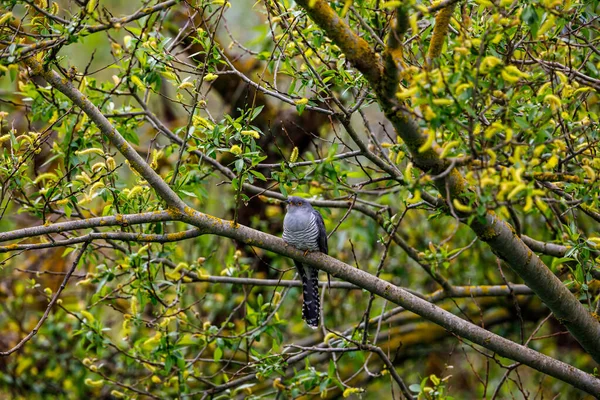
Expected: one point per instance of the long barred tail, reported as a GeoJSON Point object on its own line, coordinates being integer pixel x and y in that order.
{"type": "Point", "coordinates": [311, 305]}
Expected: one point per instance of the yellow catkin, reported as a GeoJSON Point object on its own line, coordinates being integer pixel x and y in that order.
{"type": "Point", "coordinates": [429, 142]}
{"type": "Point", "coordinates": [440, 30]}
{"type": "Point", "coordinates": [294, 155]}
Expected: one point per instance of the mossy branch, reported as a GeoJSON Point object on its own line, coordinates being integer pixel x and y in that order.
{"type": "Point", "coordinates": [499, 235]}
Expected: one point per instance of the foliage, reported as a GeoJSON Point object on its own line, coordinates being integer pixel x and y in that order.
{"type": "Point", "coordinates": [236, 106]}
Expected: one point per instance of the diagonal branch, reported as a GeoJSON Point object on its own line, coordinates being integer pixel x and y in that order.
{"type": "Point", "coordinates": [427, 310]}
{"type": "Point", "coordinates": [211, 225]}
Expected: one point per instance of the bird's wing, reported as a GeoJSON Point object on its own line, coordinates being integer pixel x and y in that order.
{"type": "Point", "coordinates": [323, 247]}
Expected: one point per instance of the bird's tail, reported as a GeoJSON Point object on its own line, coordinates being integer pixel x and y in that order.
{"type": "Point", "coordinates": [311, 304]}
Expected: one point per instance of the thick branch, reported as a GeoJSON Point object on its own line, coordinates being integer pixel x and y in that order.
{"type": "Point", "coordinates": [499, 235]}
{"type": "Point", "coordinates": [356, 49]}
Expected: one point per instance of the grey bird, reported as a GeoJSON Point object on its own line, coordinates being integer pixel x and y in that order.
{"type": "Point", "coordinates": [303, 228]}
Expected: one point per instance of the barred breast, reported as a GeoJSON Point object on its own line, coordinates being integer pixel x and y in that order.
{"type": "Point", "coordinates": [302, 233]}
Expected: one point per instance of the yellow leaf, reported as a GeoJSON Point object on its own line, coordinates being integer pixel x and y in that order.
{"type": "Point", "coordinates": [391, 5]}
{"type": "Point", "coordinates": [91, 5]}
{"type": "Point", "coordinates": [7, 16]}
{"type": "Point", "coordinates": [516, 190]}
{"type": "Point", "coordinates": [88, 316]}
{"type": "Point", "coordinates": [462, 87]}
{"type": "Point", "coordinates": [546, 26]}
{"type": "Point", "coordinates": [185, 85]}
{"type": "Point", "coordinates": [350, 391]}
{"type": "Point", "coordinates": [443, 102]}
{"type": "Point", "coordinates": [528, 204]}
{"type": "Point", "coordinates": [492, 155]}
{"type": "Point", "coordinates": [540, 204]}
{"type": "Point", "coordinates": [488, 63]}
{"type": "Point", "coordinates": [406, 93]}
{"type": "Point", "coordinates": [553, 100]}
{"type": "Point", "coordinates": [294, 155]}
{"type": "Point", "coordinates": [408, 172]}
{"type": "Point", "coordinates": [590, 173]}
{"type": "Point", "coordinates": [415, 199]}
{"type": "Point", "coordinates": [552, 162]}
{"type": "Point", "coordinates": [254, 134]}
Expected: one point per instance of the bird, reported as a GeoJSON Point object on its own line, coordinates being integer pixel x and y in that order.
{"type": "Point", "coordinates": [304, 229]}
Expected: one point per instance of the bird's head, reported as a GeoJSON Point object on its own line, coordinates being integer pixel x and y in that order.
{"type": "Point", "coordinates": [297, 203]}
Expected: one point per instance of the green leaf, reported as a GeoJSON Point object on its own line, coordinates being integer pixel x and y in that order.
{"type": "Point", "coordinates": [218, 354]}
{"type": "Point", "coordinates": [68, 210]}
{"type": "Point", "coordinates": [255, 112]}
{"type": "Point", "coordinates": [258, 175]}
{"type": "Point", "coordinates": [191, 194]}
{"type": "Point", "coordinates": [300, 108]}
{"type": "Point", "coordinates": [169, 362]}
{"type": "Point", "coordinates": [531, 18]}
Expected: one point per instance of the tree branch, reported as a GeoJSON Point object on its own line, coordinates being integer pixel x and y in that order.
{"type": "Point", "coordinates": [116, 220]}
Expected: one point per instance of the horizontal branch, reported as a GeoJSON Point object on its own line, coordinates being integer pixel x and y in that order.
{"type": "Point", "coordinates": [342, 156]}
{"type": "Point", "coordinates": [551, 249]}
{"type": "Point", "coordinates": [267, 282]}
{"type": "Point", "coordinates": [122, 220]}
{"type": "Point", "coordinates": [123, 236]}
{"type": "Point", "coordinates": [438, 295]}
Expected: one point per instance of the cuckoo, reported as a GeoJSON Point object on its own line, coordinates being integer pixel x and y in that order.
{"type": "Point", "coordinates": [303, 228]}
